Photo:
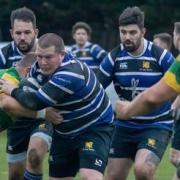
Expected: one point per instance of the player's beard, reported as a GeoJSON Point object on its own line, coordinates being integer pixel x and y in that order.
{"type": "Point", "coordinates": [131, 46]}
{"type": "Point", "coordinates": [25, 47]}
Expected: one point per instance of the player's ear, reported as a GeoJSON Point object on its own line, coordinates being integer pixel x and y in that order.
{"type": "Point", "coordinates": [36, 32]}
{"type": "Point", "coordinates": [11, 32]}
{"type": "Point", "coordinates": [61, 54]}
{"type": "Point", "coordinates": [143, 31]}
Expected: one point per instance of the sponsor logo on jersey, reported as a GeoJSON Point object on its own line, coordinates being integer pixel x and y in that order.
{"type": "Point", "coordinates": [123, 65]}
{"type": "Point", "coordinates": [146, 64]}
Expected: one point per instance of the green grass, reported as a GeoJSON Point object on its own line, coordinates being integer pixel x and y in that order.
{"type": "Point", "coordinates": [164, 172]}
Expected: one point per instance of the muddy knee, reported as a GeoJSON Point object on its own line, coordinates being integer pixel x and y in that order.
{"type": "Point", "coordinates": [34, 159]}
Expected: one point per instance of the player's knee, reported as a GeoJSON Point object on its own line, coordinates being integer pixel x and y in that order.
{"type": "Point", "coordinates": [173, 161]}
{"type": "Point", "coordinates": [174, 158]}
{"type": "Point", "coordinates": [34, 159]}
{"type": "Point", "coordinates": [143, 171]}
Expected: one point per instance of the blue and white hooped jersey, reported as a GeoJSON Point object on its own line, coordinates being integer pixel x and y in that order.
{"type": "Point", "coordinates": [91, 54]}
{"type": "Point", "coordinates": [9, 56]}
{"type": "Point", "coordinates": [132, 75]}
{"type": "Point", "coordinates": [75, 91]}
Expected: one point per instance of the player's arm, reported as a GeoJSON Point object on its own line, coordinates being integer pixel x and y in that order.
{"type": "Point", "coordinates": [13, 107]}
{"type": "Point", "coordinates": [10, 105]}
{"type": "Point", "coordinates": [146, 101]}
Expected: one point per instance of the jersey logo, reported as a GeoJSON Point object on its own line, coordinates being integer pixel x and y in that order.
{"type": "Point", "coordinates": [134, 84]}
{"type": "Point", "coordinates": [146, 64]}
{"type": "Point", "coordinates": [98, 162]}
{"type": "Point", "coordinates": [123, 65]}
{"type": "Point", "coordinates": [88, 146]}
{"type": "Point", "coordinates": [83, 53]}
{"type": "Point", "coordinates": [151, 142]}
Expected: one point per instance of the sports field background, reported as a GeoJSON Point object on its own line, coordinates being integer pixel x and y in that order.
{"type": "Point", "coordinates": [165, 170]}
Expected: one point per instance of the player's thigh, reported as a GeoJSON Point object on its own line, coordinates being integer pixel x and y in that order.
{"type": "Point", "coordinates": [124, 143]}
{"type": "Point", "coordinates": [42, 135]}
{"type": "Point", "coordinates": [145, 161]}
{"type": "Point", "coordinates": [151, 148]}
{"type": "Point", "coordinates": [18, 137]}
{"type": "Point", "coordinates": [64, 157]}
{"type": "Point", "coordinates": [155, 140]}
{"type": "Point", "coordinates": [95, 146]}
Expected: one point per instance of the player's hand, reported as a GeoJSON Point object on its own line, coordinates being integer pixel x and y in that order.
{"type": "Point", "coordinates": [6, 86]}
{"type": "Point", "coordinates": [121, 109]}
{"type": "Point", "coordinates": [53, 116]}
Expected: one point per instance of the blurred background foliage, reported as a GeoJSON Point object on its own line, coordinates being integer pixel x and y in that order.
{"type": "Point", "coordinates": [59, 15]}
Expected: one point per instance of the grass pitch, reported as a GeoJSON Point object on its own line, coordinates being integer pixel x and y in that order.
{"type": "Point", "coordinates": [165, 170]}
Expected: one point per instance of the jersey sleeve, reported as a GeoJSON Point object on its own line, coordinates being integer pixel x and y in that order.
{"type": "Point", "coordinates": [2, 59]}
{"type": "Point", "coordinates": [166, 60]}
{"type": "Point", "coordinates": [106, 71]}
{"type": "Point", "coordinates": [98, 52]}
{"type": "Point", "coordinates": [60, 87]}
{"type": "Point", "coordinates": [172, 76]}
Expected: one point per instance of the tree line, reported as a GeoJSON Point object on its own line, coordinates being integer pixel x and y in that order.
{"type": "Point", "coordinates": [58, 16]}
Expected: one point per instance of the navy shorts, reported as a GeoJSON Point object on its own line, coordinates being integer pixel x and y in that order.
{"type": "Point", "coordinates": [176, 135]}
{"type": "Point", "coordinates": [127, 141]}
{"type": "Point", "coordinates": [19, 134]}
{"type": "Point", "coordinates": [86, 150]}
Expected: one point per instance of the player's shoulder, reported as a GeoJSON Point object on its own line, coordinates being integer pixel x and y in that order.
{"type": "Point", "coordinates": [156, 51]}
{"type": "Point", "coordinates": [115, 51]}
{"type": "Point", "coordinates": [7, 49]}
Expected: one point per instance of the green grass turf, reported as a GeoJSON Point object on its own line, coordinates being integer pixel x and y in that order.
{"type": "Point", "coordinates": [165, 170]}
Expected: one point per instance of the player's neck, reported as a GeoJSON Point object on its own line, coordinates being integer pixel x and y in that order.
{"type": "Point", "coordinates": [139, 50]}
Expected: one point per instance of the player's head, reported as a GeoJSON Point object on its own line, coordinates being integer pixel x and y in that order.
{"type": "Point", "coordinates": [23, 66]}
{"type": "Point", "coordinates": [163, 40]}
{"type": "Point", "coordinates": [81, 33]}
{"type": "Point", "coordinates": [131, 28]}
{"type": "Point", "coordinates": [23, 29]}
{"type": "Point", "coordinates": [176, 35]}
{"type": "Point", "coordinates": [50, 52]}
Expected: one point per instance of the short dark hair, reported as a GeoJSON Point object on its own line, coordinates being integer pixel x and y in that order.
{"type": "Point", "coordinates": [82, 25]}
{"type": "Point", "coordinates": [177, 27]}
{"type": "Point", "coordinates": [25, 14]}
{"type": "Point", "coordinates": [51, 39]}
{"type": "Point", "coordinates": [132, 15]}
{"type": "Point", "coordinates": [164, 37]}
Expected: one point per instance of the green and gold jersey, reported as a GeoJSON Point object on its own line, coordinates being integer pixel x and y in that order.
{"type": "Point", "coordinates": [172, 76]}
{"type": "Point", "coordinates": [12, 76]}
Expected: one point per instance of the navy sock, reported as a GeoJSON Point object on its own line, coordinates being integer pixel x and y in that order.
{"type": "Point", "coordinates": [31, 176]}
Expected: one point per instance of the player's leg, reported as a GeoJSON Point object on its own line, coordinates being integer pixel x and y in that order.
{"type": "Point", "coordinates": [16, 168]}
{"type": "Point", "coordinates": [95, 146]}
{"type": "Point", "coordinates": [121, 155]}
{"type": "Point", "coordinates": [64, 157]}
{"type": "Point", "coordinates": [39, 145]}
{"type": "Point", "coordinates": [175, 150]}
{"type": "Point", "coordinates": [17, 143]}
{"type": "Point", "coordinates": [150, 151]}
